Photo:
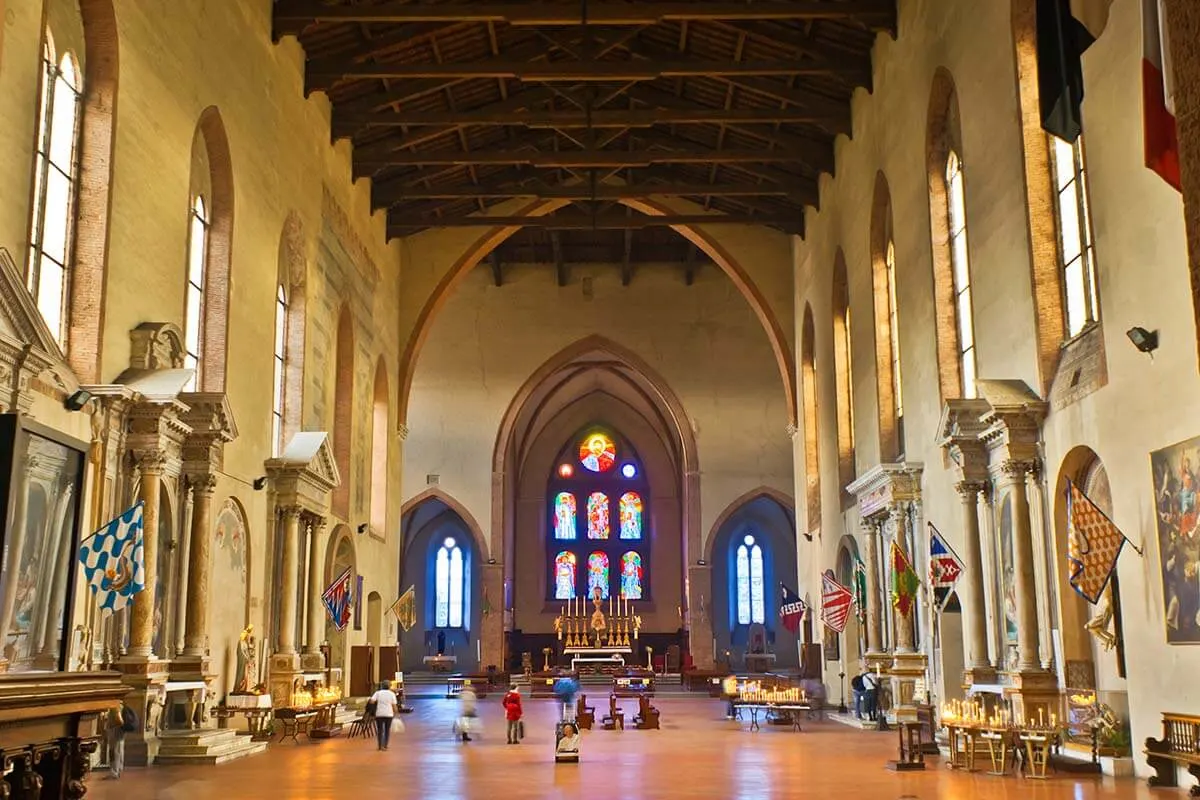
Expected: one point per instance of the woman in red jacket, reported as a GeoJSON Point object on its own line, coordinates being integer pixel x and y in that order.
{"type": "Point", "coordinates": [512, 711]}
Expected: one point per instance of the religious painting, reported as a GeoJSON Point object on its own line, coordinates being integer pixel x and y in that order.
{"type": "Point", "coordinates": [597, 575]}
{"type": "Point", "coordinates": [564, 516]}
{"type": "Point", "coordinates": [631, 576]}
{"type": "Point", "coordinates": [597, 453]}
{"type": "Point", "coordinates": [597, 510]}
{"type": "Point", "coordinates": [831, 644]}
{"type": "Point", "coordinates": [164, 579]}
{"type": "Point", "coordinates": [1008, 573]}
{"type": "Point", "coordinates": [227, 607]}
{"type": "Point", "coordinates": [631, 515]}
{"type": "Point", "coordinates": [1177, 519]}
{"type": "Point", "coordinates": [564, 576]}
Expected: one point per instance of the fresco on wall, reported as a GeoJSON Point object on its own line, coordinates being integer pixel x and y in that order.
{"type": "Point", "coordinates": [1175, 471]}
{"type": "Point", "coordinates": [227, 588]}
{"type": "Point", "coordinates": [1008, 573]}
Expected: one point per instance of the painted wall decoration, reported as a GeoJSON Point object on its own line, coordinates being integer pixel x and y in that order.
{"type": "Point", "coordinates": [1008, 574]}
{"type": "Point", "coordinates": [1177, 516]}
{"type": "Point", "coordinates": [227, 591]}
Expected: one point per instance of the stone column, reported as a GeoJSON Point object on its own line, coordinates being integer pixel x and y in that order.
{"type": "Point", "coordinates": [141, 634]}
{"type": "Point", "coordinates": [874, 607]}
{"type": "Point", "coordinates": [290, 574]}
{"type": "Point", "coordinates": [1027, 621]}
{"type": "Point", "coordinates": [904, 626]}
{"type": "Point", "coordinates": [199, 561]}
{"type": "Point", "coordinates": [314, 628]}
{"type": "Point", "coordinates": [8, 602]}
{"type": "Point", "coordinates": [975, 607]}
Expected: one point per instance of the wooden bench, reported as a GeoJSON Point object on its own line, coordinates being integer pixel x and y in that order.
{"type": "Point", "coordinates": [1179, 746]}
{"type": "Point", "coordinates": [585, 715]}
{"type": "Point", "coordinates": [647, 716]}
{"type": "Point", "coordinates": [616, 716]}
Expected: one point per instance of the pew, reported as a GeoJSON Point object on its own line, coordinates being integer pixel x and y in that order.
{"type": "Point", "coordinates": [616, 716]}
{"type": "Point", "coordinates": [647, 716]}
{"type": "Point", "coordinates": [585, 715]}
{"type": "Point", "coordinates": [1179, 745]}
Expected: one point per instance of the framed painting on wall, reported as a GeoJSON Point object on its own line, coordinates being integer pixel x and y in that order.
{"type": "Point", "coordinates": [1175, 472]}
{"type": "Point", "coordinates": [832, 644]}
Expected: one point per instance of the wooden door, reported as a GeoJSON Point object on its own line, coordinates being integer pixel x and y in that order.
{"type": "Point", "coordinates": [362, 670]}
{"type": "Point", "coordinates": [389, 664]}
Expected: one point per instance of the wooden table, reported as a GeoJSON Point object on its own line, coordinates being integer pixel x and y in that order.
{"type": "Point", "coordinates": [791, 711]}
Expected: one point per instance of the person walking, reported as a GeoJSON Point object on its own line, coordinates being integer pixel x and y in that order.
{"type": "Point", "coordinates": [121, 720]}
{"type": "Point", "coordinates": [467, 702]}
{"type": "Point", "coordinates": [512, 712]}
{"type": "Point", "coordinates": [385, 703]}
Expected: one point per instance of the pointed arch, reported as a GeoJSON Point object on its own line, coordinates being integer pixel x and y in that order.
{"type": "Point", "coordinates": [436, 493]}
{"type": "Point", "coordinates": [292, 280]}
{"type": "Point", "coordinates": [343, 409]}
{"type": "Point", "coordinates": [785, 501]}
{"type": "Point", "coordinates": [888, 388]}
{"type": "Point", "coordinates": [380, 439]}
{"type": "Point", "coordinates": [843, 373]}
{"type": "Point", "coordinates": [812, 439]}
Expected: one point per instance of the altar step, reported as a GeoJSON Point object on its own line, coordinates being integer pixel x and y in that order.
{"type": "Point", "coordinates": [205, 747]}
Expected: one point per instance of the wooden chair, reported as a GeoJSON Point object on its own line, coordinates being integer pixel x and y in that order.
{"type": "Point", "coordinates": [585, 715]}
{"type": "Point", "coordinates": [1177, 747]}
{"type": "Point", "coordinates": [647, 716]}
{"type": "Point", "coordinates": [363, 726]}
{"type": "Point", "coordinates": [615, 718]}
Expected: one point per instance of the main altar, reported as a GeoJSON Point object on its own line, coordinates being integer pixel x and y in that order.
{"type": "Point", "coordinates": [596, 638]}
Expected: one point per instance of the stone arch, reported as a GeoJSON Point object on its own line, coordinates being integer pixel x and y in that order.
{"type": "Point", "coordinates": [293, 277]}
{"type": "Point", "coordinates": [853, 647]}
{"type": "Point", "coordinates": [488, 241]}
{"type": "Point", "coordinates": [210, 133]}
{"type": "Point", "coordinates": [343, 409]}
{"type": "Point", "coordinates": [770, 492]}
{"type": "Point", "coordinates": [334, 551]}
{"type": "Point", "coordinates": [448, 500]}
{"type": "Point", "coordinates": [843, 373]}
{"type": "Point", "coordinates": [812, 439]}
{"type": "Point", "coordinates": [882, 244]}
{"type": "Point", "coordinates": [943, 135]}
{"type": "Point", "coordinates": [88, 283]}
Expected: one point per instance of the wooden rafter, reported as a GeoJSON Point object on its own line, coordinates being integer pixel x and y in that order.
{"type": "Point", "coordinates": [612, 222]}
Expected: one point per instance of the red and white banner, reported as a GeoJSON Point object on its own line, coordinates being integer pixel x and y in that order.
{"type": "Point", "coordinates": [1158, 95]}
{"type": "Point", "coordinates": [835, 602]}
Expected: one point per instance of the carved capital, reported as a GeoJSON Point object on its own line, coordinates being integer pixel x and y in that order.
{"type": "Point", "coordinates": [869, 526]}
{"type": "Point", "coordinates": [288, 513]}
{"type": "Point", "coordinates": [152, 463]}
{"type": "Point", "coordinates": [203, 484]}
{"type": "Point", "coordinates": [1017, 469]}
{"type": "Point", "coordinates": [318, 524]}
{"type": "Point", "coordinates": [969, 490]}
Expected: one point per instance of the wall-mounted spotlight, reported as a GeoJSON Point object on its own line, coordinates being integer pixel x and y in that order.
{"type": "Point", "coordinates": [1145, 341]}
{"type": "Point", "coordinates": [700, 562]}
{"type": "Point", "coordinates": [491, 561]}
{"type": "Point", "coordinates": [362, 528]}
{"type": "Point", "coordinates": [260, 483]}
{"type": "Point", "coordinates": [78, 400]}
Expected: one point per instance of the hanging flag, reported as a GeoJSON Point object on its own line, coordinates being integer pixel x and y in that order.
{"type": "Point", "coordinates": [1158, 96]}
{"type": "Point", "coordinates": [945, 567]}
{"type": "Point", "coordinates": [791, 610]}
{"type": "Point", "coordinates": [337, 599]}
{"type": "Point", "coordinates": [860, 590]}
{"type": "Point", "coordinates": [1061, 40]}
{"type": "Point", "coordinates": [112, 560]}
{"type": "Point", "coordinates": [835, 602]}
{"type": "Point", "coordinates": [1093, 545]}
{"type": "Point", "coordinates": [405, 609]}
{"type": "Point", "coordinates": [905, 582]}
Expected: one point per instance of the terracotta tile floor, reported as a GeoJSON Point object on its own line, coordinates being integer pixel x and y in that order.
{"type": "Point", "coordinates": [697, 754]}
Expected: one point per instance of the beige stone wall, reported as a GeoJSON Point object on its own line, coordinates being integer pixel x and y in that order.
{"type": "Point", "coordinates": [175, 63]}
{"type": "Point", "coordinates": [1143, 279]}
{"type": "Point", "coordinates": [703, 340]}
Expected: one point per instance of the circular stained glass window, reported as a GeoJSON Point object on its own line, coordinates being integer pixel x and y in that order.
{"type": "Point", "coordinates": [597, 453]}
{"type": "Point", "coordinates": [629, 470]}
{"type": "Point", "coordinates": [749, 540]}
{"type": "Point", "coordinates": [449, 543]}
{"type": "Point", "coordinates": [565, 471]}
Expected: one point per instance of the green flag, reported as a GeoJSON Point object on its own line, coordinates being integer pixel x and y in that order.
{"type": "Point", "coordinates": [905, 582]}
{"type": "Point", "coordinates": [860, 590]}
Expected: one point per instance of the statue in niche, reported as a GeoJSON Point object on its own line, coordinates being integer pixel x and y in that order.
{"type": "Point", "coordinates": [247, 663]}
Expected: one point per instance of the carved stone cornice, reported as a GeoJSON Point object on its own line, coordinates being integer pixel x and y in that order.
{"type": "Point", "coordinates": [887, 486]}
{"type": "Point", "coordinates": [305, 474]}
{"type": "Point", "coordinates": [28, 350]}
{"type": "Point", "coordinates": [155, 346]}
{"type": "Point", "coordinates": [211, 420]}
{"type": "Point", "coordinates": [1014, 419]}
{"type": "Point", "coordinates": [156, 430]}
{"type": "Point", "coordinates": [960, 433]}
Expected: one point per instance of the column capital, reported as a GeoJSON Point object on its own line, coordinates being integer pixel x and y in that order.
{"type": "Point", "coordinates": [290, 512]}
{"type": "Point", "coordinates": [203, 484]}
{"type": "Point", "coordinates": [1017, 468]}
{"type": "Point", "coordinates": [970, 490]}
{"type": "Point", "coordinates": [318, 524]}
{"type": "Point", "coordinates": [153, 462]}
{"type": "Point", "coordinates": [869, 526]}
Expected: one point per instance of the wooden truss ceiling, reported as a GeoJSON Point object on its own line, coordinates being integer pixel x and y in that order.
{"type": "Point", "coordinates": [454, 107]}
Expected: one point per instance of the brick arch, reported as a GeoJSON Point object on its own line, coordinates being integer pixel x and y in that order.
{"type": "Point", "coordinates": [891, 437]}
{"type": "Point", "coordinates": [943, 134]}
{"type": "Point", "coordinates": [210, 130]}
{"type": "Point", "coordinates": [343, 409]}
{"type": "Point", "coordinates": [293, 276]}
{"type": "Point", "coordinates": [812, 439]}
{"type": "Point", "coordinates": [436, 493]}
{"type": "Point", "coordinates": [494, 237]}
{"type": "Point", "coordinates": [88, 284]}
{"type": "Point", "coordinates": [785, 502]}
{"type": "Point", "coordinates": [843, 369]}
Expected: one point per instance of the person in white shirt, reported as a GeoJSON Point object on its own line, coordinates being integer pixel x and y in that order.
{"type": "Point", "coordinates": [467, 706]}
{"type": "Point", "coordinates": [385, 702]}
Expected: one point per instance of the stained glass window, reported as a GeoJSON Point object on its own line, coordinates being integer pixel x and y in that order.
{"type": "Point", "coordinates": [564, 576]}
{"type": "Point", "coordinates": [456, 585]}
{"type": "Point", "coordinates": [631, 576]}
{"type": "Point", "coordinates": [956, 197]}
{"type": "Point", "coordinates": [743, 585]}
{"type": "Point", "coordinates": [757, 610]}
{"type": "Point", "coordinates": [631, 515]}
{"type": "Point", "coordinates": [449, 585]}
{"type": "Point", "coordinates": [564, 516]}
{"type": "Point", "coordinates": [751, 603]}
{"type": "Point", "coordinates": [193, 320]}
{"type": "Point", "coordinates": [597, 509]}
{"type": "Point", "coordinates": [597, 453]}
{"type": "Point", "coordinates": [598, 575]}
{"type": "Point", "coordinates": [442, 584]}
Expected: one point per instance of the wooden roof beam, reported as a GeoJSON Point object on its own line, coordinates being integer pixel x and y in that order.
{"type": "Point", "coordinates": [581, 159]}
{"type": "Point", "coordinates": [500, 114]}
{"type": "Point", "coordinates": [385, 195]}
{"type": "Point", "coordinates": [397, 224]}
{"type": "Point", "coordinates": [297, 16]}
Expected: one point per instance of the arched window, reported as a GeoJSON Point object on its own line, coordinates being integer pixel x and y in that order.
{"type": "Point", "coordinates": [1077, 258]}
{"type": "Point", "coordinates": [280, 364]}
{"type": "Point", "coordinates": [379, 451]}
{"type": "Point", "coordinates": [748, 570]}
{"type": "Point", "coordinates": [450, 578]}
{"type": "Point", "coordinates": [889, 261]}
{"type": "Point", "coordinates": [886, 325]}
{"type": "Point", "coordinates": [52, 229]}
{"type": "Point", "coordinates": [808, 386]}
{"type": "Point", "coordinates": [843, 373]}
{"type": "Point", "coordinates": [193, 315]}
{"type": "Point", "coordinates": [961, 270]}
{"type": "Point", "coordinates": [597, 476]}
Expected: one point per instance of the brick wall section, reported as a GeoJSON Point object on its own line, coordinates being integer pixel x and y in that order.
{"type": "Point", "coordinates": [881, 235]}
{"type": "Point", "coordinates": [293, 275]}
{"type": "Point", "coordinates": [343, 410]}
{"type": "Point", "coordinates": [842, 364]}
{"type": "Point", "coordinates": [812, 439]}
{"type": "Point", "coordinates": [215, 330]}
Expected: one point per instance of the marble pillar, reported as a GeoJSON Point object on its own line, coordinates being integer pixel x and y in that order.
{"type": "Point", "coordinates": [141, 634]}
{"type": "Point", "coordinates": [905, 626]}
{"type": "Point", "coordinates": [199, 562]}
{"type": "Point", "coordinates": [312, 660]}
{"type": "Point", "coordinates": [874, 606]}
{"type": "Point", "coordinates": [290, 574]}
{"type": "Point", "coordinates": [1015, 473]}
{"type": "Point", "coordinates": [972, 583]}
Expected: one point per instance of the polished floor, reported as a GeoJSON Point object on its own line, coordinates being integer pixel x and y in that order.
{"type": "Point", "coordinates": [697, 754]}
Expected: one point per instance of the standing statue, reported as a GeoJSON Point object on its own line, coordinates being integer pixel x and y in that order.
{"type": "Point", "coordinates": [247, 663]}
{"type": "Point", "coordinates": [599, 625]}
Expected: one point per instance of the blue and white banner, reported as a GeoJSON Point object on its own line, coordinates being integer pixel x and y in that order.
{"type": "Point", "coordinates": [112, 561]}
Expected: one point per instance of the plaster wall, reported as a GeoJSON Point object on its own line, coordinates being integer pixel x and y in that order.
{"type": "Point", "coordinates": [1142, 272]}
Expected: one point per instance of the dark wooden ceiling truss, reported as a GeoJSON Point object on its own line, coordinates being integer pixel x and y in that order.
{"type": "Point", "coordinates": [455, 108]}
